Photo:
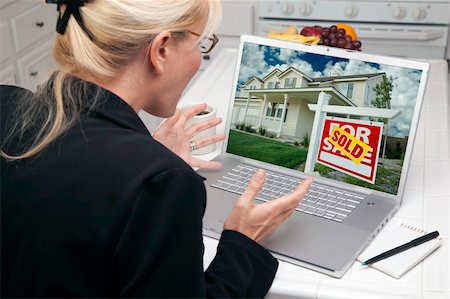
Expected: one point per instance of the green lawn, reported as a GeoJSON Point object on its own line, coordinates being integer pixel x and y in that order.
{"type": "Point", "coordinates": [387, 180]}
{"type": "Point", "coordinates": [265, 149]}
{"type": "Point", "coordinates": [279, 153]}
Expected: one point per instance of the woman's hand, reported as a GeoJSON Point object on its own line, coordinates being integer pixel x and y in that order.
{"type": "Point", "coordinates": [258, 221]}
{"type": "Point", "coordinates": [173, 135]}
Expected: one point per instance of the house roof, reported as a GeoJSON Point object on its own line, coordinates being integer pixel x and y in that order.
{"type": "Point", "coordinates": [293, 69]}
{"type": "Point", "coordinates": [271, 73]}
{"type": "Point", "coordinates": [314, 80]}
{"type": "Point", "coordinates": [251, 78]}
{"type": "Point", "coordinates": [332, 78]}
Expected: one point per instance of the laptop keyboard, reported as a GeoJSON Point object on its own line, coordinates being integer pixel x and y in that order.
{"type": "Point", "coordinates": [322, 201]}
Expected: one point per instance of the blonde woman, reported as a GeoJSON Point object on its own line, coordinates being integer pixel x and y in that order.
{"type": "Point", "coordinates": [92, 205]}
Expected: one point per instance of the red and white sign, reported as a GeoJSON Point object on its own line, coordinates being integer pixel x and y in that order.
{"type": "Point", "coordinates": [351, 146]}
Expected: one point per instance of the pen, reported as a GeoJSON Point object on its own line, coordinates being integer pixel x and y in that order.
{"type": "Point", "coordinates": [401, 248]}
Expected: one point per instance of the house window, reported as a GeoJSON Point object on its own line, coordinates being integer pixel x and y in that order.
{"type": "Point", "coordinates": [276, 110]}
{"type": "Point", "coordinates": [273, 85]}
{"type": "Point", "coordinates": [290, 82]}
{"type": "Point", "coordinates": [271, 109]}
{"type": "Point", "coordinates": [280, 111]}
{"type": "Point", "coordinates": [350, 90]}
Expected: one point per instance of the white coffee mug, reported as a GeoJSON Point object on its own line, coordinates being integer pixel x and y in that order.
{"type": "Point", "coordinates": [208, 113]}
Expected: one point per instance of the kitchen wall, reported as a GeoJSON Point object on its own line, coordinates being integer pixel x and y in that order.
{"type": "Point", "coordinates": [239, 17]}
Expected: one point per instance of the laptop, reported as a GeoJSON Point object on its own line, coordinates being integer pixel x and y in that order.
{"type": "Point", "coordinates": [345, 117]}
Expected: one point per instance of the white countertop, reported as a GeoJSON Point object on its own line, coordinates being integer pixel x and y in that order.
{"type": "Point", "coordinates": [426, 203]}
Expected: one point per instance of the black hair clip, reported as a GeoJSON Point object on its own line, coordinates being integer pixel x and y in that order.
{"type": "Point", "coordinates": [72, 8]}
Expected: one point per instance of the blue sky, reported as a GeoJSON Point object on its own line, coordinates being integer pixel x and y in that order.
{"type": "Point", "coordinates": [260, 60]}
{"type": "Point", "coordinates": [317, 62]}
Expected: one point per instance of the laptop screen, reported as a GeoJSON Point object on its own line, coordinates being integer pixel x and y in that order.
{"type": "Point", "coordinates": [347, 119]}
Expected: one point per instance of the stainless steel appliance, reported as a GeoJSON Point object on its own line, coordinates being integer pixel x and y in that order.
{"type": "Point", "coordinates": [408, 28]}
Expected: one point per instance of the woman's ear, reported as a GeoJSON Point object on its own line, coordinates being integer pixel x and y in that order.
{"type": "Point", "coordinates": [159, 51]}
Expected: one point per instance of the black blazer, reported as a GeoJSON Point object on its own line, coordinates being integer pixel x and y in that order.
{"type": "Point", "coordinates": [107, 211]}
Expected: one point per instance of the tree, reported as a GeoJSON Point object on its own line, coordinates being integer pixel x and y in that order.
{"type": "Point", "coordinates": [383, 92]}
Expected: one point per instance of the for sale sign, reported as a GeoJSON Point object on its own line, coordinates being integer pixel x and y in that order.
{"type": "Point", "coordinates": [351, 146]}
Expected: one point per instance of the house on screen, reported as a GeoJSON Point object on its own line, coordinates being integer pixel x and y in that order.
{"type": "Point", "coordinates": [279, 100]}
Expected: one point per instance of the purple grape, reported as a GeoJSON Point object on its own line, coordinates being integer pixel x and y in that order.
{"type": "Point", "coordinates": [356, 44]}
{"type": "Point", "coordinates": [325, 32]}
{"type": "Point", "coordinates": [333, 42]}
{"type": "Point", "coordinates": [341, 43]}
{"type": "Point", "coordinates": [331, 35]}
{"type": "Point", "coordinates": [341, 31]}
{"type": "Point", "coordinates": [326, 41]}
{"type": "Point", "coordinates": [333, 29]}
{"type": "Point", "coordinates": [348, 38]}
{"type": "Point", "coordinates": [348, 46]}
{"type": "Point", "coordinates": [339, 35]}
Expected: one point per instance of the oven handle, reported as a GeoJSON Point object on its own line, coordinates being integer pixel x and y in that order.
{"type": "Point", "coordinates": [400, 35]}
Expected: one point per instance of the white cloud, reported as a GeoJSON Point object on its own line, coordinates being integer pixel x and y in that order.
{"type": "Point", "coordinates": [405, 80]}
{"type": "Point", "coordinates": [254, 63]}
{"type": "Point", "coordinates": [287, 55]}
{"type": "Point", "coordinates": [404, 96]}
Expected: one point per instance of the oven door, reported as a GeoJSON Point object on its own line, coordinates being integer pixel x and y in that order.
{"type": "Point", "coordinates": [418, 41]}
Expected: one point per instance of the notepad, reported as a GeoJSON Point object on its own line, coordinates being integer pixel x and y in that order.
{"type": "Point", "coordinates": [398, 264]}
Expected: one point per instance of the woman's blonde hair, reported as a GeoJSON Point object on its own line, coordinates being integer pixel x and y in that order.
{"type": "Point", "coordinates": [115, 31]}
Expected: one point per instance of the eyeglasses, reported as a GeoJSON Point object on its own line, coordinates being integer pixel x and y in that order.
{"type": "Point", "coordinates": [207, 44]}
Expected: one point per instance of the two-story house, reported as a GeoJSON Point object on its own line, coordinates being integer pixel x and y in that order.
{"type": "Point", "coordinates": [279, 100]}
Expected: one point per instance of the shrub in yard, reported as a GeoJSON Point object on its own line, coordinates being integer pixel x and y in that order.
{"type": "Point", "coordinates": [240, 126]}
{"type": "Point", "coordinates": [305, 140]}
{"type": "Point", "coordinates": [262, 130]}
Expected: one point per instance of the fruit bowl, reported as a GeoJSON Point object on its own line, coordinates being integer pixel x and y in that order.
{"type": "Point", "coordinates": [339, 35]}
{"type": "Point", "coordinates": [291, 34]}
